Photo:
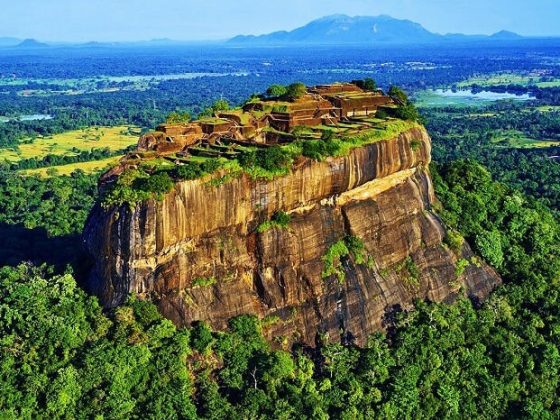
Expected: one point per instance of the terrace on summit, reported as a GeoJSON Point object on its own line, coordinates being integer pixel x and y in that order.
{"type": "Point", "coordinates": [266, 121]}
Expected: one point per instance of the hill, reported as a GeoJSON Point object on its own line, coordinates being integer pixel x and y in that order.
{"type": "Point", "coordinates": [9, 42]}
{"type": "Point", "coordinates": [31, 43]}
{"type": "Point", "coordinates": [342, 29]}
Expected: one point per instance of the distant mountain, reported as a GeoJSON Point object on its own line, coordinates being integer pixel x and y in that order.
{"type": "Point", "coordinates": [31, 43]}
{"type": "Point", "coordinates": [506, 35]}
{"type": "Point", "coordinates": [9, 42]}
{"type": "Point", "coordinates": [342, 29]}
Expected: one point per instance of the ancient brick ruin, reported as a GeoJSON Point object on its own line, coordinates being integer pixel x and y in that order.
{"type": "Point", "coordinates": [268, 121]}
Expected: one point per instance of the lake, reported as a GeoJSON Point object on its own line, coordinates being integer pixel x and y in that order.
{"type": "Point", "coordinates": [448, 97]}
{"type": "Point", "coordinates": [30, 117]}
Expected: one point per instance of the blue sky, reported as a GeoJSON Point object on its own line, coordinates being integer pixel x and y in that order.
{"type": "Point", "coordinates": [122, 20]}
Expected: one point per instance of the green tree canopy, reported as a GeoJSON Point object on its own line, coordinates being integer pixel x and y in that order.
{"type": "Point", "coordinates": [276, 91]}
{"type": "Point", "coordinates": [295, 91]}
{"type": "Point", "coordinates": [178, 118]}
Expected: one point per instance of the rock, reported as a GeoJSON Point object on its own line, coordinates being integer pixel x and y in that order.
{"type": "Point", "coordinates": [381, 194]}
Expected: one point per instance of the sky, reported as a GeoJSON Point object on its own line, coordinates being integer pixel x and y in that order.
{"type": "Point", "coordinates": [133, 20]}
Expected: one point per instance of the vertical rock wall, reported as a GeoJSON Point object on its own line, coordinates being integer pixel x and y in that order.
{"type": "Point", "coordinates": [197, 254]}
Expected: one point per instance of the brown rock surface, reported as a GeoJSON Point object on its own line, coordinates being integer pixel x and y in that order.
{"type": "Point", "coordinates": [381, 193]}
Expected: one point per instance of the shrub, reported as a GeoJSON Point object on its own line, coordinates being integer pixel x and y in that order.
{"type": "Point", "coordinates": [357, 249]}
{"type": "Point", "coordinates": [280, 108]}
{"type": "Point", "coordinates": [178, 118]}
{"type": "Point", "coordinates": [367, 84]}
{"type": "Point", "coordinates": [280, 219]}
{"type": "Point", "coordinates": [273, 157]}
{"type": "Point", "coordinates": [319, 149]}
{"type": "Point", "coordinates": [188, 171]}
{"type": "Point", "coordinates": [220, 105]}
{"type": "Point", "coordinates": [295, 91]}
{"type": "Point", "coordinates": [123, 189]}
{"type": "Point", "coordinates": [382, 114]}
{"type": "Point", "coordinates": [332, 261]}
{"type": "Point", "coordinates": [408, 112]}
{"type": "Point", "coordinates": [211, 165]}
{"type": "Point", "coordinates": [204, 281]}
{"type": "Point", "coordinates": [351, 245]}
{"type": "Point", "coordinates": [454, 240]}
{"type": "Point", "coordinates": [461, 266]}
{"type": "Point", "coordinates": [159, 183]}
{"type": "Point", "coordinates": [193, 170]}
{"type": "Point", "coordinates": [248, 159]}
{"type": "Point", "coordinates": [410, 271]}
{"type": "Point", "coordinates": [276, 91]}
{"type": "Point", "coordinates": [415, 145]}
{"type": "Point", "coordinates": [313, 149]}
{"type": "Point", "coordinates": [327, 135]}
{"type": "Point", "coordinates": [398, 95]}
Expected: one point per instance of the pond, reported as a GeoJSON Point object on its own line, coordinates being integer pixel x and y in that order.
{"type": "Point", "coordinates": [28, 117]}
{"type": "Point", "coordinates": [449, 97]}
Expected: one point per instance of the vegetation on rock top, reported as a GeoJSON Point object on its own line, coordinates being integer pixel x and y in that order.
{"type": "Point", "coordinates": [258, 163]}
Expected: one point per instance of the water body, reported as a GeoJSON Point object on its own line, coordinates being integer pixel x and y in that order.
{"type": "Point", "coordinates": [30, 117]}
{"type": "Point", "coordinates": [447, 97]}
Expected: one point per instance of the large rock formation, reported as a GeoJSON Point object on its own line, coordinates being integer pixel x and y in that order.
{"type": "Point", "coordinates": [198, 255]}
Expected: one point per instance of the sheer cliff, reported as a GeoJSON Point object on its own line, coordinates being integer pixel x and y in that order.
{"type": "Point", "coordinates": [199, 255]}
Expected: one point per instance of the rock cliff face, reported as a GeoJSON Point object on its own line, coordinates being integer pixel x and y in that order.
{"type": "Point", "coordinates": [197, 254]}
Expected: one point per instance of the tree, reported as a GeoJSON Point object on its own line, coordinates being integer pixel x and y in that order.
{"type": "Point", "coordinates": [408, 112]}
{"type": "Point", "coordinates": [178, 118]}
{"type": "Point", "coordinates": [367, 84]}
{"type": "Point", "coordinates": [220, 105]}
{"type": "Point", "coordinates": [276, 91]}
{"type": "Point", "coordinates": [398, 95]}
{"type": "Point", "coordinates": [295, 91]}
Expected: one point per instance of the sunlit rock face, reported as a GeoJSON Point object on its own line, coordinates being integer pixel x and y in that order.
{"type": "Point", "coordinates": [198, 255]}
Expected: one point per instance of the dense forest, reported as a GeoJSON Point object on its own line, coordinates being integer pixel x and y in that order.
{"type": "Point", "coordinates": [501, 136]}
{"type": "Point", "coordinates": [64, 357]}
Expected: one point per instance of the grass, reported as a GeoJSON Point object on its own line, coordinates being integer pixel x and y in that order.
{"type": "Point", "coordinates": [213, 121]}
{"type": "Point", "coordinates": [68, 143]}
{"type": "Point", "coordinates": [87, 167]}
{"type": "Point", "coordinates": [509, 79]}
{"type": "Point", "coordinates": [516, 139]}
{"type": "Point", "coordinates": [548, 108]}
{"type": "Point", "coordinates": [261, 164]}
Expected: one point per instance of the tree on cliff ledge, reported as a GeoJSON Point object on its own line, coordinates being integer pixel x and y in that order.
{"type": "Point", "coordinates": [295, 91]}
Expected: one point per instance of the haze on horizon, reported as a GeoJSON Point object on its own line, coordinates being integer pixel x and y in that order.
{"type": "Point", "coordinates": [134, 20]}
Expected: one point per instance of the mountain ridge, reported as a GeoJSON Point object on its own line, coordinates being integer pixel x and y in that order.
{"type": "Point", "coordinates": [343, 29]}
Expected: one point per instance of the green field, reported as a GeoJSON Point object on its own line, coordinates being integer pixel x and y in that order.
{"type": "Point", "coordinates": [548, 108]}
{"type": "Point", "coordinates": [516, 139]}
{"type": "Point", "coordinates": [73, 142]}
{"type": "Point", "coordinates": [87, 167]}
{"type": "Point", "coordinates": [509, 79]}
